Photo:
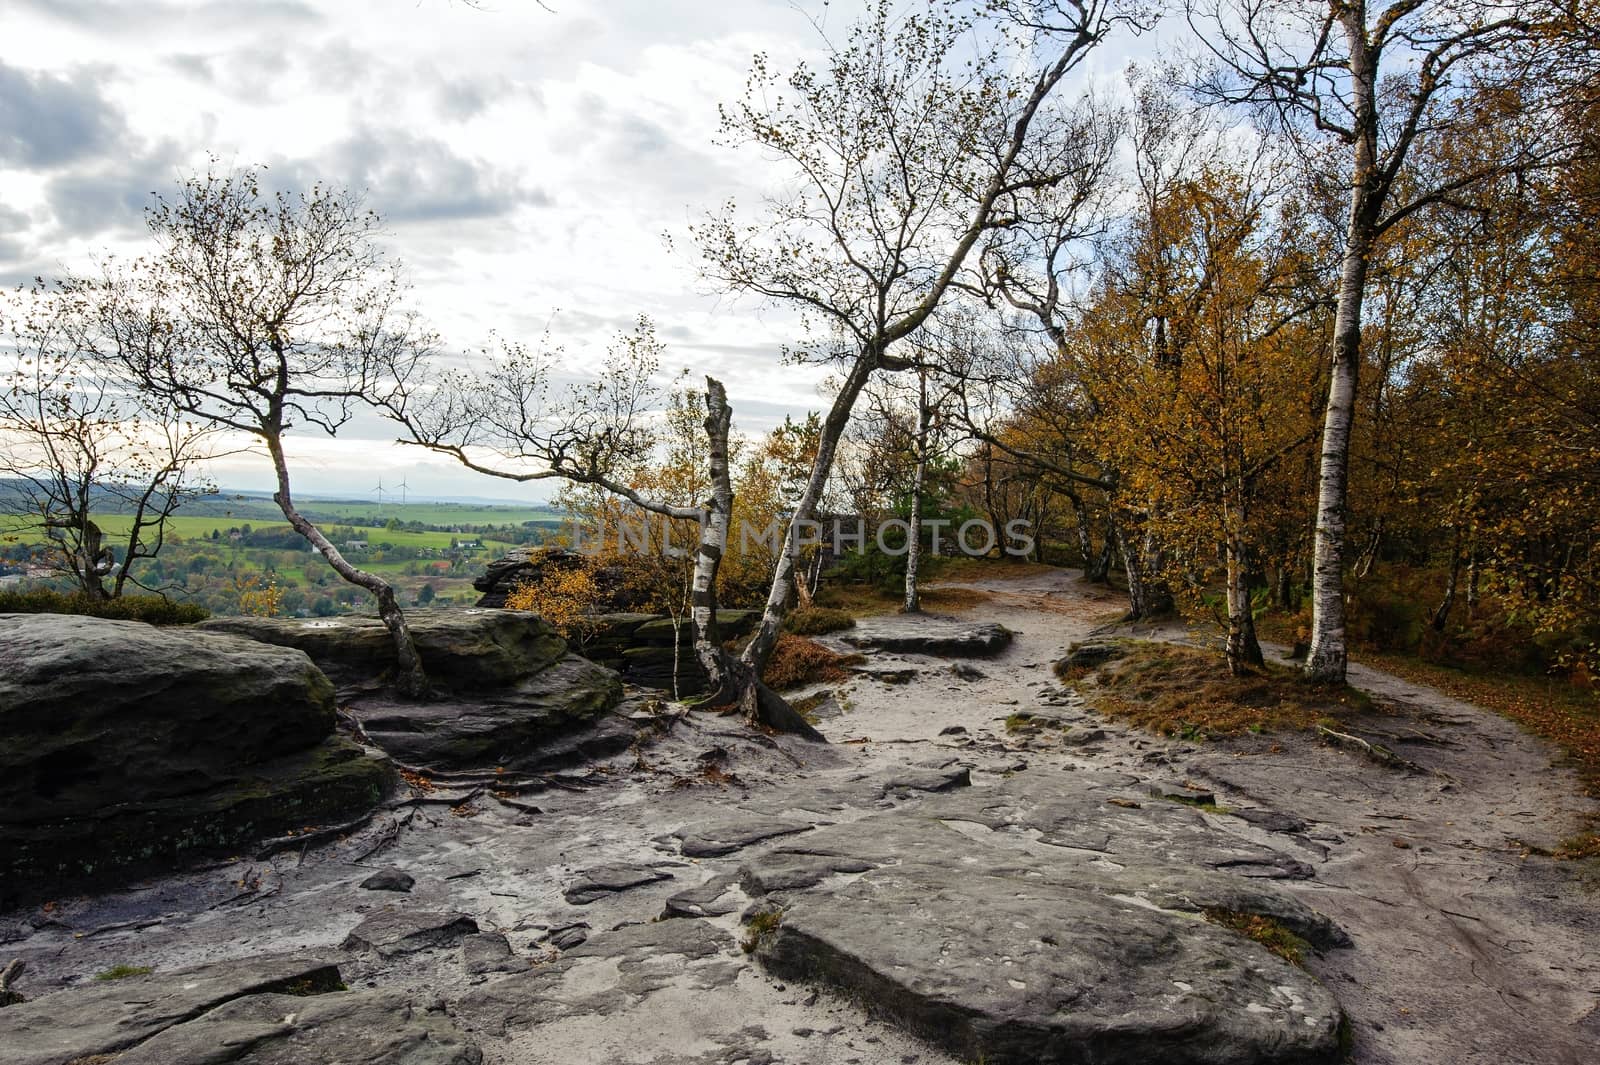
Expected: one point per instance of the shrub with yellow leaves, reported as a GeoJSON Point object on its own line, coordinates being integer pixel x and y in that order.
{"type": "Point", "coordinates": [259, 596]}
{"type": "Point", "coordinates": [563, 597]}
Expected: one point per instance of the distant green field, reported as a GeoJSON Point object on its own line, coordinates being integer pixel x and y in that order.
{"type": "Point", "coordinates": [195, 528]}
{"type": "Point", "coordinates": [431, 513]}
{"type": "Point", "coordinates": [225, 510]}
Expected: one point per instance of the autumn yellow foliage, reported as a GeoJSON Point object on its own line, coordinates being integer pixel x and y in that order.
{"type": "Point", "coordinates": [259, 596]}
{"type": "Point", "coordinates": [563, 597]}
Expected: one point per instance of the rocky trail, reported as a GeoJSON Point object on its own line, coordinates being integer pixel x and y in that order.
{"type": "Point", "coordinates": [977, 867]}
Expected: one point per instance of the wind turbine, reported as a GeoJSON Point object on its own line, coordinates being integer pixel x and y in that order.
{"type": "Point", "coordinates": [380, 492]}
{"type": "Point", "coordinates": [402, 491]}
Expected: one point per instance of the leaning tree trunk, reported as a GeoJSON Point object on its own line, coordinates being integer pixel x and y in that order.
{"type": "Point", "coordinates": [759, 649]}
{"type": "Point", "coordinates": [412, 680]}
{"type": "Point", "coordinates": [731, 680]}
{"type": "Point", "coordinates": [913, 601]}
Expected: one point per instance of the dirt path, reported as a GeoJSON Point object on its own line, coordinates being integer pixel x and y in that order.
{"type": "Point", "coordinates": [1467, 947]}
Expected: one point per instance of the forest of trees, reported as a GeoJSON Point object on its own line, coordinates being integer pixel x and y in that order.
{"type": "Point", "coordinates": [1302, 319]}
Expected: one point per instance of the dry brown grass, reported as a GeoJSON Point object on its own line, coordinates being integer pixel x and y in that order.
{"type": "Point", "coordinates": [816, 620]}
{"type": "Point", "coordinates": [796, 660]}
{"type": "Point", "coordinates": [1173, 690]}
{"type": "Point", "coordinates": [1270, 933]}
{"type": "Point", "coordinates": [966, 568]}
{"type": "Point", "coordinates": [861, 600]}
{"type": "Point", "coordinates": [945, 600]}
{"type": "Point", "coordinates": [857, 600]}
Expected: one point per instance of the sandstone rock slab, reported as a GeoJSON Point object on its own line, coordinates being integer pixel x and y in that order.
{"type": "Point", "coordinates": [553, 715]}
{"type": "Point", "coordinates": [395, 932]}
{"type": "Point", "coordinates": [91, 708]}
{"type": "Point", "coordinates": [368, 1026]}
{"type": "Point", "coordinates": [628, 965]}
{"type": "Point", "coordinates": [605, 880]}
{"type": "Point", "coordinates": [1090, 654]}
{"type": "Point", "coordinates": [105, 1018]}
{"type": "Point", "coordinates": [978, 920]}
{"type": "Point", "coordinates": [389, 880]}
{"type": "Point", "coordinates": [713, 839]}
{"type": "Point", "coordinates": [462, 650]}
{"type": "Point", "coordinates": [489, 952]}
{"type": "Point", "coordinates": [928, 634]}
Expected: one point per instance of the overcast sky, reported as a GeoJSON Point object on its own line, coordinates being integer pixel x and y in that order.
{"type": "Point", "coordinates": [527, 162]}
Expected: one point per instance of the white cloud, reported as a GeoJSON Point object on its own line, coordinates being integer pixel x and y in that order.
{"type": "Point", "coordinates": [527, 162]}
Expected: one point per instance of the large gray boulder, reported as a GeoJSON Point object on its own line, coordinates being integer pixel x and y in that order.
{"type": "Point", "coordinates": [975, 921]}
{"type": "Point", "coordinates": [462, 650]}
{"type": "Point", "coordinates": [124, 744]}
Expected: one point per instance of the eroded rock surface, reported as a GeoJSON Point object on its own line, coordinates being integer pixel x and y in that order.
{"type": "Point", "coordinates": [605, 880]}
{"type": "Point", "coordinates": [605, 974]}
{"type": "Point", "coordinates": [712, 839]}
{"type": "Point", "coordinates": [959, 835]}
{"type": "Point", "coordinates": [393, 932]}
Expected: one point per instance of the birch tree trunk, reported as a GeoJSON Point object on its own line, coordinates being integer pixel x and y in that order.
{"type": "Point", "coordinates": [913, 602]}
{"type": "Point", "coordinates": [1329, 653]}
{"type": "Point", "coordinates": [713, 545]}
{"type": "Point", "coordinates": [409, 673]}
{"type": "Point", "coordinates": [1092, 568]}
{"type": "Point", "coordinates": [1472, 581]}
{"type": "Point", "coordinates": [1328, 656]}
{"type": "Point", "coordinates": [1158, 599]}
{"type": "Point", "coordinates": [1441, 613]}
{"type": "Point", "coordinates": [1148, 594]}
{"type": "Point", "coordinates": [1133, 566]}
{"type": "Point", "coordinates": [1099, 571]}
{"type": "Point", "coordinates": [1242, 648]}
{"type": "Point", "coordinates": [731, 679]}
